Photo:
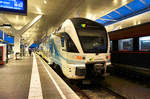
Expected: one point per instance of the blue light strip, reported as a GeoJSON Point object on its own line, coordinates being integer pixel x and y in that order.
{"type": "Point", "coordinates": [134, 8]}
{"type": "Point", "coordinates": [34, 45]}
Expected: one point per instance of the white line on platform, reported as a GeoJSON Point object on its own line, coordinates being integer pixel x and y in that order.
{"type": "Point", "coordinates": [35, 91]}
{"type": "Point", "coordinates": [51, 77]}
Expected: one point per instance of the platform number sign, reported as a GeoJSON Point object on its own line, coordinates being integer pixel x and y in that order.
{"type": "Point", "coordinates": [15, 6]}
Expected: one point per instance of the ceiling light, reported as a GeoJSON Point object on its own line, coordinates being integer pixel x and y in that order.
{"type": "Point", "coordinates": [39, 11]}
{"type": "Point", "coordinates": [45, 1]}
{"type": "Point", "coordinates": [115, 1]}
{"type": "Point", "coordinates": [135, 23]}
{"type": "Point", "coordinates": [6, 25]}
{"type": "Point", "coordinates": [139, 22]}
{"type": "Point", "coordinates": [17, 17]}
{"type": "Point", "coordinates": [123, 2]}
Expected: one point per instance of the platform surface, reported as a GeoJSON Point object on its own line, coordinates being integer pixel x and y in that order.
{"type": "Point", "coordinates": [32, 78]}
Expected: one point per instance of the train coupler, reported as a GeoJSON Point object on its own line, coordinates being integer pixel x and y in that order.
{"type": "Point", "coordinates": [105, 74]}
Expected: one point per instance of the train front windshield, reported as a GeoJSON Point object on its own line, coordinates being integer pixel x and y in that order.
{"type": "Point", "coordinates": [92, 36]}
{"type": "Point", "coordinates": [93, 41]}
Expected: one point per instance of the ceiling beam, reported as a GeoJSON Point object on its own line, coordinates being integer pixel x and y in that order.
{"type": "Point", "coordinates": [29, 25]}
{"type": "Point", "coordinates": [107, 19]}
{"type": "Point", "coordinates": [144, 2]}
{"type": "Point", "coordinates": [118, 13]}
{"type": "Point", "coordinates": [129, 8]}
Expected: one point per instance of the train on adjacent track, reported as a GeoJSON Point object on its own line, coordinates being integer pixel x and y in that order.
{"type": "Point", "coordinates": [130, 51]}
{"type": "Point", "coordinates": [80, 48]}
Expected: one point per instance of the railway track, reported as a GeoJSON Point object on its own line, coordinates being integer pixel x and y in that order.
{"type": "Point", "coordinates": [91, 91]}
{"type": "Point", "coordinates": [96, 92]}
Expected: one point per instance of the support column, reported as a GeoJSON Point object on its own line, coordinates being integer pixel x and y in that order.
{"type": "Point", "coordinates": [17, 40]}
{"type": "Point", "coordinates": [136, 44]}
{"type": "Point", "coordinates": [115, 45]}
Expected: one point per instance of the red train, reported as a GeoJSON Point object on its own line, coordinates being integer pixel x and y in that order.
{"type": "Point", "coordinates": [130, 48]}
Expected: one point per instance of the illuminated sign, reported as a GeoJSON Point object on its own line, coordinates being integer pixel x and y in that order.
{"type": "Point", "coordinates": [83, 25]}
{"type": "Point", "coordinates": [17, 6]}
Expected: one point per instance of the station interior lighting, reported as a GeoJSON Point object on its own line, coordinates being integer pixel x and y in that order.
{"type": "Point", "coordinates": [45, 1]}
{"type": "Point", "coordinates": [129, 10]}
{"type": "Point", "coordinates": [6, 26]}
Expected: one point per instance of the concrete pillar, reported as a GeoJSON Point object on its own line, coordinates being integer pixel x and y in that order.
{"type": "Point", "coordinates": [17, 40]}
{"type": "Point", "coordinates": [115, 45]}
{"type": "Point", "coordinates": [136, 44]}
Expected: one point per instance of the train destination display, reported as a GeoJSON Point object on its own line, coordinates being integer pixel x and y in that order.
{"type": "Point", "coordinates": [16, 6]}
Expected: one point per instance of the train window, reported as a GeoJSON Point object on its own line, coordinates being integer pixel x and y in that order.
{"type": "Point", "coordinates": [67, 44]}
{"type": "Point", "coordinates": [144, 43]}
{"type": "Point", "coordinates": [63, 45]}
{"type": "Point", "coordinates": [92, 36]}
{"type": "Point", "coordinates": [71, 46]}
{"type": "Point", "coordinates": [126, 44]}
{"type": "Point", "coordinates": [62, 42]}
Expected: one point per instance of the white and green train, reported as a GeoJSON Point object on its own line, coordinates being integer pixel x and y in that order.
{"type": "Point", "coordinates": [80, 48]}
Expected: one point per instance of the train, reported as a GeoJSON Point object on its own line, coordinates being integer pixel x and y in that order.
{"type": "Point", "coordinates": [79, 47]}
{"type": "Point", "coordinates": [130, 51]}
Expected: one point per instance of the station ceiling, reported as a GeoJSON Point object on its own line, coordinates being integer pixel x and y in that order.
{"type": "Point", "coordinates": [129, 10]}
{"type": "Point", "coordinates": [54, 12]}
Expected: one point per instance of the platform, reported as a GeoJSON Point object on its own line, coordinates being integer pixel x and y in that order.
{"type": "Point", "coordinates": [32, 78]}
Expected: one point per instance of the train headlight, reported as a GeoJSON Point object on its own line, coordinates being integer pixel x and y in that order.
{"type": "Point", "coordinates": [80, 58]}
{"type": "Point", "coordinates": [108, 57]}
